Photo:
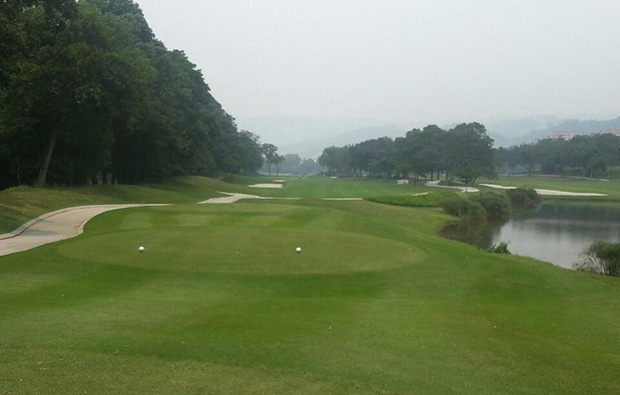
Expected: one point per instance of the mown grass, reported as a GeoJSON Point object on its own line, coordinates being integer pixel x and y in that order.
{"type": "Point", "coordinates": [317, 187]}
{"type": "Point", "coordinates": [375, 303]}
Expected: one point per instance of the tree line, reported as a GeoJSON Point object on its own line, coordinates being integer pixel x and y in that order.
{"type": "Point", "coordinates": [464, 153]}
{"type": "Point", "coordinates": [583, 155]}
{"type": "Point", "coordinates": [291, 164]}
{"type": "Point", "coordinates": [88, 93]}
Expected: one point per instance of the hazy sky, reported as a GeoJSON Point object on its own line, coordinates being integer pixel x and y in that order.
{"type": "Point", "coordinates": [400, 61]}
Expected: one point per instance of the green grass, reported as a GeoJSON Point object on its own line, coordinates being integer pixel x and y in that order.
{"type": "Point", "coordinates": [317, 187]}
{"type": "Point", "coordinates": [220, 303]}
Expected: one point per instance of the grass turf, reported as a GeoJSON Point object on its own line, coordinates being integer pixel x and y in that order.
{"type": "Point", "coordinates": [317, 187]}
{"type": "Point", "coordinates": [221, 303]}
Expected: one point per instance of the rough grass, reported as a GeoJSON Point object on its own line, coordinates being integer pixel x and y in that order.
{"type": "Point", "coordinates": [221, 303]}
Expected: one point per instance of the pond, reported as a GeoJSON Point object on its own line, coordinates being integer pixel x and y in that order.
{"type": "Point", "coordinates": [554, 232]}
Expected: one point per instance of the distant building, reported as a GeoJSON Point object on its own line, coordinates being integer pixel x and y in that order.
{"type": "Point", "coordinates": [562, 135]}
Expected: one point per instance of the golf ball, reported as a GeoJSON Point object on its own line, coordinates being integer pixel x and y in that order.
{"type": "Point", "coordinates": [141, 249]}
{"type": "Point", "coordinates": [298, 249]}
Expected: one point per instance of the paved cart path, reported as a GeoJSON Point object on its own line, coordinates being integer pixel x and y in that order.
{"type": "Point", "coordinates": [55, 226]}
{"type": "Point", "coordinates": [435, 184]}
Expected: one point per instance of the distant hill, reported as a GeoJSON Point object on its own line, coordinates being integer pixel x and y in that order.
{"type": "Point", "coordinates": [574, 126]}
{"type": "Point", "coordinates": [284, 131]}
{"type": "Point", "coordinates": [507, 132]}
{"type": "Point", "coordinates": [314, 147]}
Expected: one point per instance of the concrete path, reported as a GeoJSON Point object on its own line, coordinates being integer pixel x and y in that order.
{"type": "Point", "coordinates": [435, 184]}
{"type": "Point", "coordinates": [55, 226]}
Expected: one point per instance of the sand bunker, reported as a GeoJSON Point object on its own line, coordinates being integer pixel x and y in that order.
{"type": "Point", "coordinates": [420, 194]}
{"type": "Point", "coordinates": [230, 198]}
{"type": "Point", "coordinates": [266, 186]}
{"type": "Point", "coordinates": [234, 197]}
{"type": "Point", "coordinates": [547, 192]}
{"type": "Point", "coordinates": [279, 180]}
{"type": "Point", "coordinates": [343, 199]}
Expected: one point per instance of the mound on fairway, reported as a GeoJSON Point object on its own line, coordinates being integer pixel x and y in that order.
{"type": "Point", "coordinates": [244, 250]}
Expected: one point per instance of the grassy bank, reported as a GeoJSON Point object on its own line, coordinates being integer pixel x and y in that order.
{"type": "Point", "coordinates": [18, 205]}
{"type": "Point", "coordinates": [220, 303]}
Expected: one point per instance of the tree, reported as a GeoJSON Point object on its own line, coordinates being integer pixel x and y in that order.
{"type": "Point", "coordinates": [270, 152]}
{"type": "Point", "coordinates": [87, 93]}
{"type": "Point", "coordinates": [277, 160]}
{"type": "Point", "coordinates": [468, 152]}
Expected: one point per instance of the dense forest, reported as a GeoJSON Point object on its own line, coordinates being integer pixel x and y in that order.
{"type": "Point", "coordinates": [464, 153]}
{"type": "Point", "coordinates": [88, 94]}
{"type": "Point", "coordinates": [595, 155]}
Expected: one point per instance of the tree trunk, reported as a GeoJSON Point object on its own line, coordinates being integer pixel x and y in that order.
{"type": "Point", "coordinates": [47, 158]}
{"type": "Point", "coordinates": [19, 181]}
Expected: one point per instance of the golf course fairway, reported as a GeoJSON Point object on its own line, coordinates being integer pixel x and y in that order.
{"type": "Point", "coordinates": [220, 303]}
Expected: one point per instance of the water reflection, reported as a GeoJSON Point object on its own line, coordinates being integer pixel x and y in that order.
{"type": "Point", "coordinates": [556, 233]}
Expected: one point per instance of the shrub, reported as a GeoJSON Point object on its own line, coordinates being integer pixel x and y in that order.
{"type": "Point", "coordinates": [463, 208]}
{"type": "Point", "coordinates": [523, 198]}
{"type": "Point", "coordinates": [496, 205]}
{"type": "Point", "coordinates": [501, 248]}
{"type": "Point", "coordinates": [601, 257]}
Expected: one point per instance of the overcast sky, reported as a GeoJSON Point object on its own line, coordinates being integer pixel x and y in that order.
{"type": "Point", "coordinates": [400, 61]}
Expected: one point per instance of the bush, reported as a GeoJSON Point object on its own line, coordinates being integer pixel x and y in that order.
{"type": "Point", "coordinates": [496, 205]}
{"type": "Point", "coordinates": [601, 257]}
{"type": "Point", "coordinates": [501, 248]}
{"type": "Point", "coordinates": [463, 208]}
{"type": "Point", "coordinates": [523, 198]}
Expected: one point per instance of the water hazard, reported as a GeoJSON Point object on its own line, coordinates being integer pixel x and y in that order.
{"type": "Point", "coordinates": [557, 233]}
